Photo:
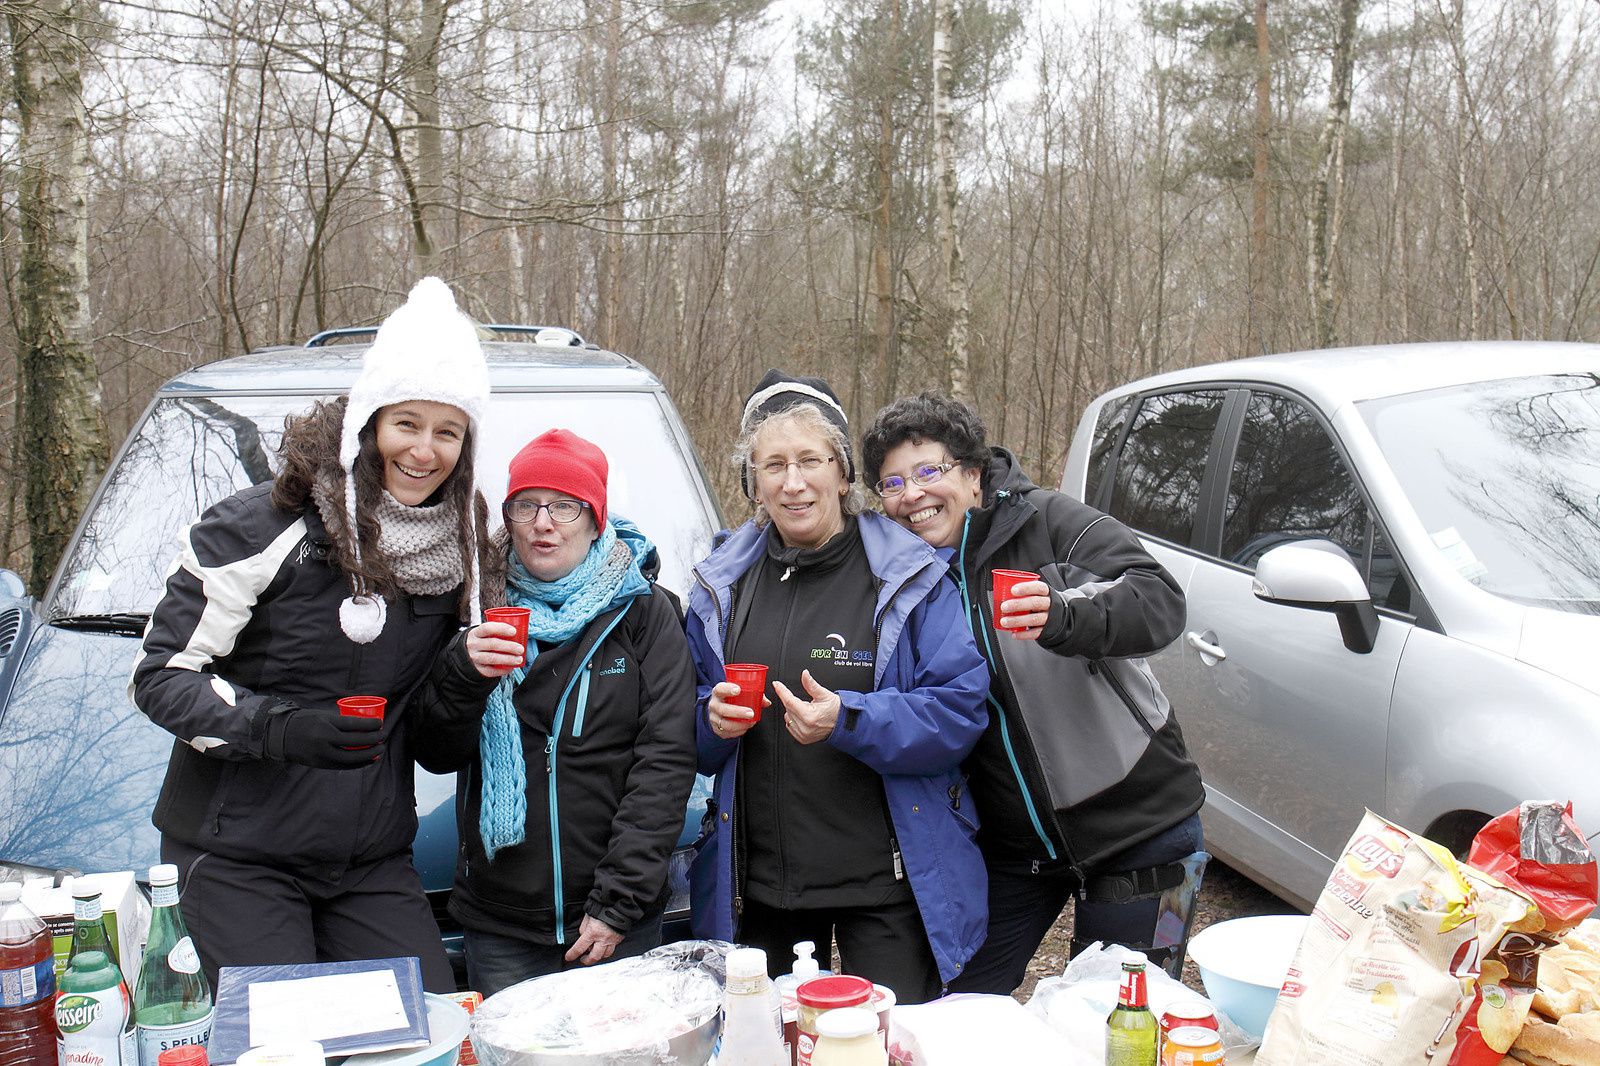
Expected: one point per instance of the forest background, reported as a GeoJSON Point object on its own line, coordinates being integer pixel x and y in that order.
{"type": "Point", "coordinates": [1023, 202]}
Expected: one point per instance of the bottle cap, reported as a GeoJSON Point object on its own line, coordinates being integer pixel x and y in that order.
{"type": "Point", "coordinates": [805, 965]}
{"type": "Point", "coordinates": [183, 1055]}
{"type": "Point", "coordinates": [82, 888]}
{"type": "Point", "coordinates": [10, 891]}
{"type": "Point", "coordinates": [830, 993]}
{"type": "Point", "coordinates": [164, 874]}
{"type": "Point", "coordinates": [747, 962]}
{"type": "Point", "coordinates": [1135, 960]}
{"type": "Point", "coordinates": [847, 1022]}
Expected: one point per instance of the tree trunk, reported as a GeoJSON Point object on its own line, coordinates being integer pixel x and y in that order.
{"type": "Point", "coordinates": [62, 423]}
{"type": "Point", "coordinates": [957, 298]}
{"type": "Point", "coordinates": [1256, 313]}
{"type": "Point", "coordinates": [609, 280]}
{"type": "Point", "coordinates": [422, 103]}
{"type": "Point", "coordinates": [1328, 193]}
{"type": "Point", "coordinates": [883, 323]}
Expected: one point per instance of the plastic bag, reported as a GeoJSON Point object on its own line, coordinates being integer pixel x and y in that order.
{"type": "Point", "coordinates": [1077, 1003]}
{"type": "Point", "coordinates": [660, 1009]}
{"type": "Point", "coordinates": [964, 1029]}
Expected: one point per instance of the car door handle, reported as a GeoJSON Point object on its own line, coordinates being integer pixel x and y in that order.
{"type": "Point", "coordinates": [1205, 647]}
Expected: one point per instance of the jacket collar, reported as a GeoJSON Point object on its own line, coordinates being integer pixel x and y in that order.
{"type": "Point", "coordinates": [1006, 508]}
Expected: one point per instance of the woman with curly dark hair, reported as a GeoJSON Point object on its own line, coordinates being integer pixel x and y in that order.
{"type": "Point", "coordinates": [292, 824]}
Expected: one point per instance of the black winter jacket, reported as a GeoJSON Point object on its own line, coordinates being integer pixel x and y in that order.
{"type": "Point", "coordinates": [609, 772]}
{"type": "Point", "coordinates": [248, 627]}
{"type": "Point", "coordinates": [1083, 756]}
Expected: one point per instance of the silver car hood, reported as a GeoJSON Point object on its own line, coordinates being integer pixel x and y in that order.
{"type": "Point", "coordinates": [1562, 643]}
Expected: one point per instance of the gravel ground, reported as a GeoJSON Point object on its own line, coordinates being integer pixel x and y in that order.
{"type": "Point", "coordinates": [1224, 894]}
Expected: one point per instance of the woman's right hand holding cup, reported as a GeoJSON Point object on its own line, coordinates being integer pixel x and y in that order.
{"type": "Point", "coordinates": [494, 649]}
{"type": "Point", "coordinates": [730, 721]}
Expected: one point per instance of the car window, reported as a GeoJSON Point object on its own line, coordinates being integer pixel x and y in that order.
{"type": "Point", "coordinates": [1290, 483]}
{"type": "Point", "coordinates": [1107, 431]}
{"type": "Point", "coordinates": [192, 452]}
{"type": "Point", "coordinates": [1158, 477]}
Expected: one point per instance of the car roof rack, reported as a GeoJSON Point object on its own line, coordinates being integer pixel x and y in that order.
{"type": "Point", "coordinates": [549, 336]}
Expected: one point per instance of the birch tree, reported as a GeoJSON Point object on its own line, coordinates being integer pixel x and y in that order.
{"type": "Point", "coordinates": [958, 300]}
{"type": "Point", "coordinates": [1327, 195]}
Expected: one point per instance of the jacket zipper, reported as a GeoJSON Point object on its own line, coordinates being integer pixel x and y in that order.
{"type": "Point", "coordinates": [738, 755]}
{"type": "Point", "coordinates": [581, 678]}
{"type": "Point", "coordinates": [1005, 728]}
{"type": "Point", "coordinates": [1099, 667]}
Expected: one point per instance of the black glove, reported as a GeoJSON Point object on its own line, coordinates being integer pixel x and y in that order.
{"type": "Point", "coordinates": [326, 740]}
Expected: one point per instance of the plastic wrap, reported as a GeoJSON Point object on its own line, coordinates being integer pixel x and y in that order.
{"type": "Point", "coordinates": [660, 1009]}
{"type": "Point", "coordinates": [1076, 1003]}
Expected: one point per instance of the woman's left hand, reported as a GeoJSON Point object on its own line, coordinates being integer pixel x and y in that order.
{"type": "Point", "coordinates": [1024, 615]}
{"type": "Point", "coordinates": [808, 721]}
{"type": "Point", "coordinates": [596, 941]}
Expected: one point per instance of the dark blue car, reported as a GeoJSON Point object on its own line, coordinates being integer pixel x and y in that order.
{"type": "Point", "coordinates": [80, 766]}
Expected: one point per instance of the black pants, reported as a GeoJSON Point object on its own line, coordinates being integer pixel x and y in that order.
{"type": "Point", "coordinates": [246, 914]}
{"type": "Point", "coordinates": [1023, 905]}
{"type": "Point", "coordinates": [887, 945]}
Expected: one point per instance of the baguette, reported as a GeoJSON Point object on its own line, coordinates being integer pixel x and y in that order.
{"type": "Point", "coordinates": [1549, 1044]}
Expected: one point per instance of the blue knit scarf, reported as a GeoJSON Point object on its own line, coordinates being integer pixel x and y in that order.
{"type": "Point", "coordinates": [559, 611]}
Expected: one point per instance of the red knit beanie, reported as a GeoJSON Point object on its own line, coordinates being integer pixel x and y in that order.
{"type": "Point", "coordinates": [561, 460]}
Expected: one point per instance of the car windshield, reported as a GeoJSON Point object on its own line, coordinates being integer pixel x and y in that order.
{"type": "Point", "coordinates": [1505, 476]}
{"type": "Point", "coordinates": [194, 451]}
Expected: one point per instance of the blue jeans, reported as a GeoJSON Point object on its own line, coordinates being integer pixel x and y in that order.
{"type": "Point", "coordinates": [1024, 904]}
{"type": "Point", "coordinates": [496, 962]}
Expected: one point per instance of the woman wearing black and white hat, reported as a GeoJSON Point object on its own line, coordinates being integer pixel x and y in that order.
{"type": "Point", "coordinates": [842, 812]}
{"type": "Point", "coordinates": [343, 576]}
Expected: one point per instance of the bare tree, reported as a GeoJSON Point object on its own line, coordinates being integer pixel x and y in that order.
{"type": "Point", "coordinates": [957, 298]}
{"type": "Point", "coordinates": [1327, 195]}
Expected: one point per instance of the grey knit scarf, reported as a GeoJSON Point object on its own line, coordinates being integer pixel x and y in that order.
{"type": "Point", "coordinates": [421, 544]}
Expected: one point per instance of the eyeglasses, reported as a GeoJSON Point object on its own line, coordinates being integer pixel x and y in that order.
{"type": "Point", "coordinates": [524, 511]}
{"type": "Point", "coordinates": [922, 475]}
{"type": "Point", "coordinates": [774, 469]}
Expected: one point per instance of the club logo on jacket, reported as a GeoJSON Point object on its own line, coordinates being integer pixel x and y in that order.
{"type": "Point", "coordinates": [838, 652]}
{"type": "Point", "coordinates": [617, 667]}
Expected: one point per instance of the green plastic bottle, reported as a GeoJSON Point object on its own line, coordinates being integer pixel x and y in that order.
{"type": "Point", "coordinates": [88, 924]}
{"type": "Point", "coordinates": [172, 1000]}
{"type": "Point", "coordinates": [94, 1014]}
{"type": "Point", "coordinates": [1131, 1029]}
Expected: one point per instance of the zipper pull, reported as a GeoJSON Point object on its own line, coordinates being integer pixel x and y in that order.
{"type": "Point", "coordinates": [1035, 870]}
{"type": "Point", "coordinates": [1094, 666]}
{"type": "Point", "coordinates": [786, 574]}
{"type": "Point", "coordinates": [899, 866]}
{"type": "Point", "coordinates": [550, 755]}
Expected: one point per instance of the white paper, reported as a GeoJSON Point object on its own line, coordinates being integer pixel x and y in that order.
{"type": "Point", "coordinates": [1454, 548]}
{"type": "Point", "coordinates": [325, 1008]}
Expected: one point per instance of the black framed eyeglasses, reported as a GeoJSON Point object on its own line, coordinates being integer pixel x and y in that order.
{"type": "Point", "coordinates": [922, 475]}
{"type": "Point", "coordinates": [524, 511]}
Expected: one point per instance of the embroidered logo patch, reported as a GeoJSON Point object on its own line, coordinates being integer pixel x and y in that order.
{"type": "Point", "coordinates": [618, 666]}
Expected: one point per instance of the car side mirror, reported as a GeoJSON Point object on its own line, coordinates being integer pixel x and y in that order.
{"type": "Point", "coordinates": [11, 585]}
{"type": "Point", "coordinates": [1317, 575]}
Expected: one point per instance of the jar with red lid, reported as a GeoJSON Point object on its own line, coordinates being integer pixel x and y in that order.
{"type": "Point", "coordinates": [818, 996]}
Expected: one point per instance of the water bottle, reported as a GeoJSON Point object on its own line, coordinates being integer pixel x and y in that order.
{"type": "Point", "coordinates": [749, 1031]}
{"type": "Point", "coordinates": [27, 984]}
{"type": "Point", "coordinates": [172, 1001]}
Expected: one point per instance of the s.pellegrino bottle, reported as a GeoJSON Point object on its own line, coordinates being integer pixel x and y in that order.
{"type": "Point", "coordinates": [172, 999]}
{"type": "Point", "coordinates": [1131, 1029]}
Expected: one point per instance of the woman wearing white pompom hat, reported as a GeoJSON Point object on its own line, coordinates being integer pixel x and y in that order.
{"type": "Point", "coordinates": [292, 825]}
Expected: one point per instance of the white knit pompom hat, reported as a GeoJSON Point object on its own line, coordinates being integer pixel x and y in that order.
{"type": "Point", "coordinates": [425, 350]}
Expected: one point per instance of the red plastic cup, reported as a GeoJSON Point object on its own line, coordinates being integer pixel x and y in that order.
{"type": "Point", "coordinates": [752, 681]}
{"type": "Point", "coordinates": [362, 707]}
{"type": "Point", "coordinates": [516, 618]}
{"type": "Point", "coordinates": [1004, 582]}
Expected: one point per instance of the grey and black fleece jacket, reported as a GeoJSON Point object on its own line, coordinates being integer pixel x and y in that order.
{"type": "Point", "coordinates": [1083, 757]}
{"type": "Point", "coordinates": [249, 628]}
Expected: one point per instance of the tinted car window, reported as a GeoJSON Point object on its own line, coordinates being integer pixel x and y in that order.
{"type": "Point", "coordinates": [1107, 431]}
{"type": "Point", "coordinates": [1163, 462]}
{"type": "Point", "coordinates": [1289, 483]}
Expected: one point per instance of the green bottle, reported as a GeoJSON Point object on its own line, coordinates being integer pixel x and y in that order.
{"type": "Point", "coordinates": [1131, 1029]}
{"type": "Point", "coordinates": [172, 1001]}
{"type": "Point", "coordinates": [93, 1015]}
{"type": "Point", "coordinates": [88, 924]}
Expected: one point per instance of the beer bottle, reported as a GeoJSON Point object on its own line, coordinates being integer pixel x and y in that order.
{"type": "Point", "coordinates": [172, 999]}
{"type": "Point", "coordinates": [1131, 1029]}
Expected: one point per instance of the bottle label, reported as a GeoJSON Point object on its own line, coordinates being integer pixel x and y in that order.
{"type": "Point", "coordinates": [96, 1029]}
{"type": "Point", "coordinates": [154, 1039]}
{"type": "Point", "coordinates": [87, 909]}
{"type": "Point", "coordinates": [753, 985]}
{"type": "Point", "coordinates": [183, 958]}
{"type": "Point", "coordinates": [28, 984]}
{"type": "Point", "coordinates": [1132, 993]}
{"type": "Point", "coordinates": [164, 895]}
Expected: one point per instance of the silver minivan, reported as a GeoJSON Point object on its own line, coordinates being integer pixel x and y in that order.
{"type": "Point", "coordinates": [1392, 562]}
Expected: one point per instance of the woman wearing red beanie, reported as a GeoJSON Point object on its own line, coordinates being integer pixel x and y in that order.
{"type": "Point", "coordinates": [576, 764]}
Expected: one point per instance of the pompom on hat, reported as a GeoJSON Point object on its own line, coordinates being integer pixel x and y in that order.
{"type": "Point", "coordinates": [563, 461]}
{"type": "Point", "coordinates": [425, 350]}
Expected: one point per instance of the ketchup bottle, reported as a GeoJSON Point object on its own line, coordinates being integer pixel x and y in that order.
{"type": "Point", "coordinates": [27, 984]}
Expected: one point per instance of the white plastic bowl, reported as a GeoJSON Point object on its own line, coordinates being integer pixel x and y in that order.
{"type": "Point", "coordinates": [1242, 963]}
